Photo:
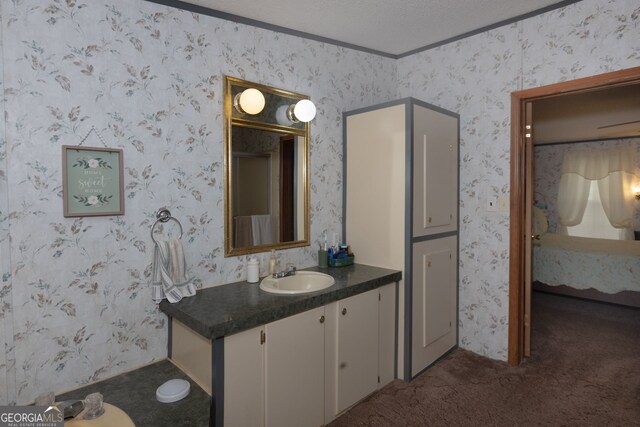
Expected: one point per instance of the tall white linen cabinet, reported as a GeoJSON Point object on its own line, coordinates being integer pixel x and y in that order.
{"type": "Point", "coordinates": [401, 212]}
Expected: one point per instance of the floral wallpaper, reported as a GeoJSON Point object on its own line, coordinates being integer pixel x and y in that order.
{"type": "Point", "coordinates": [75, 295]}
{"type": "Point", "coordinates": [75, 303]}
{"type": "Point", "coordinates": [474, 77]}
{"type": "Point", "coordinates": [7, 361]}
{"type": "Point", "coordinates": [548, 168]}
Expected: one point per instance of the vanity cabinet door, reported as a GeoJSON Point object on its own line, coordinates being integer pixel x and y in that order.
{"type": "Point", "coordinates": [294, 370]}
{"type": "Point", "coordinates": [244, 379]}
{"type": "Point", "coordinates": [357, 348]}
{"type": "Point", "coordinates": [387, 334]}
{"type": "Point", "coordinates": [360, 342]}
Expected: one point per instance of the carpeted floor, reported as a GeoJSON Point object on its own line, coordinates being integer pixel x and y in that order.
{"type": "Point", "coordinates": [584, 371]}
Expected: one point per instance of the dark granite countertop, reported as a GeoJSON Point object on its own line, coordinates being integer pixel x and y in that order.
{"type": "Point", "coordinates": [135, 393]}
{"type": "Point", "coordinates": [227, 309]}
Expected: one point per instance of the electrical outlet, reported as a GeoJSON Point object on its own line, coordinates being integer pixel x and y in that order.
{"type": "Point", "coordinates": [492, 204]}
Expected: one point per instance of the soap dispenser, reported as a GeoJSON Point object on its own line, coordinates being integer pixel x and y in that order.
{"type": "Point", "coordinates": [273, 263]}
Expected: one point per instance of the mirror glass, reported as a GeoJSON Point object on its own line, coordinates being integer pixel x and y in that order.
{"type": "Point", "coordinates": [266, 179]}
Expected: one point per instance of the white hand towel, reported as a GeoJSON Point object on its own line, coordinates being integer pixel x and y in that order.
{"type": "Point", "coordinates": [169, 272]}
{"type": "Point", "coordinates": [262, 229]}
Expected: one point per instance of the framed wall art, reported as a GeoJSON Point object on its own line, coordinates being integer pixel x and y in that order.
{"type": "Point", "coordinates": [92, 181]}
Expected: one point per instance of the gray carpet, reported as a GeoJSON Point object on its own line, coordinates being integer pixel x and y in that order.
{"type": "Point", "coordinates": [584, 371]}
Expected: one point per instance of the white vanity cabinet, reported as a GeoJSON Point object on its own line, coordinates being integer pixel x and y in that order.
{"type": "Point", "coordinates": [302, 370]}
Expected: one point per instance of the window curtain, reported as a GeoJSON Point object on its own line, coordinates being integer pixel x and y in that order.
{"type": "Point", "coordinates": [572, 198]}
{"type": "Point", "coordinates": [614, 172]}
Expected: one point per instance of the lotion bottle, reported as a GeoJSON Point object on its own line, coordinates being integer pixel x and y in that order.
{"type": "Point", "coordinates": [253, 270]}
{"type": "Point", "coordinates": [273, 263]}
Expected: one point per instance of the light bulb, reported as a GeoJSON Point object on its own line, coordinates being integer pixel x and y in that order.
{"type": "Point", "coordinates": [250, 101]}
{"type": "Point", "coordinates": [281, 115]}
{"type": "Point", "coordinates": [302, 111]}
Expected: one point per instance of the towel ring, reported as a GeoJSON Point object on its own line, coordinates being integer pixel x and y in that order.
{"type": "Point", "coordinates": [164, 215]}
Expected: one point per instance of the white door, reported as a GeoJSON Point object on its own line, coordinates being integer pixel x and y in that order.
{"type": "Point", "coordinates": [386, 334]}
{"type": "Point", "coordinates": [434, 301]}
{"type": "Point", "coordinates": [294, 370]}
{"type": "Point", "coordinates": [435, 172]}
{"type": "Point", "coordinates": [243, 379]}
{"type": "Point", "coordinates": [357, 348]}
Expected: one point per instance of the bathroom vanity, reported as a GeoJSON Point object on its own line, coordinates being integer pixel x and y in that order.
{"type": "Point", "coordinates": [300, 360]}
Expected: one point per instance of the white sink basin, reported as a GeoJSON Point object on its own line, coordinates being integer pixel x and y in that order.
{"type": "Point", "coordinates": [300, 283]}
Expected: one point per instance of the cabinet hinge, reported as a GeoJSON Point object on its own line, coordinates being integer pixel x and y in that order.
{"type": "Point", "coordinates": [450, 256]}
{"type": "Point", "coordinates": [263, 337]}
{"type": "Point", "coordinates": [379, 297]}
{"type": "Point", "coordinates": [378, 379]}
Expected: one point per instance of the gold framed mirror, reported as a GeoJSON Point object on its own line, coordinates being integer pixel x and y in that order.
{"type": "Point", "coordinates": [266, 170]}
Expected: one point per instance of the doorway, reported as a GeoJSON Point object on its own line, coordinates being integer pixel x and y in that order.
{"type": "Point", "coordinates": [520, 208]}
{"type": "Point", "coordinates": [287, 188]}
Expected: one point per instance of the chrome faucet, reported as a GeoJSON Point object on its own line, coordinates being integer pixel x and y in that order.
{"type": "Point", "coordinates": [290, 271]}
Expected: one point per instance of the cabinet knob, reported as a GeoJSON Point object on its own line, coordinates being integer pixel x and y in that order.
{"type": "Point", "coordinates": [344, 311]}
{"type": "Point", "coordinates": [322, 319]}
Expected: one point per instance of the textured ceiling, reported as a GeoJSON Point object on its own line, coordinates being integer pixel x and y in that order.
{"type": "Point", "coordinates": [394, 27]}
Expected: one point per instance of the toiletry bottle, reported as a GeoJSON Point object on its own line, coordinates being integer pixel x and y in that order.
{"type": "Point", "coordinates": [273, 263]}
{"type": "Point", "coordinates": [253, 270]}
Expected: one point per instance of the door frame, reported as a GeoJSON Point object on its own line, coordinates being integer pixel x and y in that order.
{"type": "Point", "coordinates": [518, 208]}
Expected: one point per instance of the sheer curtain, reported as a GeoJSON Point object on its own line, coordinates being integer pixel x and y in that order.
{"type": "Point", "coordinates": [612, 170]}
{"type": "Point", "coordinates": [572, 198]}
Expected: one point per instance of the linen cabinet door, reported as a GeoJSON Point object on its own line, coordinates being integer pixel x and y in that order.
{"type": "Point", "coordinates": [435, 172]}
{"type": "Point", "coordinates": [294, 370]}
{"type": "Point", "coordinates": [434, 301]}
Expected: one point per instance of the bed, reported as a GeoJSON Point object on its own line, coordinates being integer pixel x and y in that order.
{"type": "Point", "coordinates": [601, 269]}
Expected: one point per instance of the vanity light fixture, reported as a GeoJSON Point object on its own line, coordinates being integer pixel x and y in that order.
{"type": "Point", "coordinates": [249, 101]}
{"type": "Point", "coordinates": [302, 111]}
